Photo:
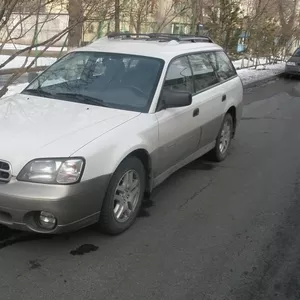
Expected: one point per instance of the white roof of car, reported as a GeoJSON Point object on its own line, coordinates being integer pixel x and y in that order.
{"type": "Point", "coordinates": [157, 49]}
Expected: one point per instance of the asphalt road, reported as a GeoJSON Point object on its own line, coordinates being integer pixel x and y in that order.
{"type": "Point", "coordinates": [212, 231]}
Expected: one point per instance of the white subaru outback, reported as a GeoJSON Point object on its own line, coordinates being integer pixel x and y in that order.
{"type": "Point", "coordinates": [109, 122]}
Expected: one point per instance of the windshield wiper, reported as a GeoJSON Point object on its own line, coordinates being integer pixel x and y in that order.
{"type": "Point", "coordinates": [38, 92]}
{"type": "Point", "coordinates": [83, 99]}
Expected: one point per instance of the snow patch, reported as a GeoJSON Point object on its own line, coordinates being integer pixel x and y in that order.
{"type": "Point", "coordinates": [238, 64]}
{"type": "Point", "coordinates": [20, 47]}
{"type": "Point", "coordinates": [19, 61]}
{"type": "Point", "coordinates": [252, 75]}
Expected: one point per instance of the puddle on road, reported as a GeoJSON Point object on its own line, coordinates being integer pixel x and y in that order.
{"type": "Point", "coordinates": [84, 249]}
{"type": "Point", "coordinates": [34, 264]}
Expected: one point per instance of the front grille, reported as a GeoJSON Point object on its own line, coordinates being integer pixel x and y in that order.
{"type": "Point", "coordinates": [5, 171]}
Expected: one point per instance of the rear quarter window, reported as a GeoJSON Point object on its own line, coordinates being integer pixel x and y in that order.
{"type": "Point", "coordinates": [222, 65]}
{"type": "Point", "coordinates": [203, 71]}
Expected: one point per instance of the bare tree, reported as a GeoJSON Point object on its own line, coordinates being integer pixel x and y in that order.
{"type": "Point", "coordinates": [288, 15]}
{"type": "Point", "coordinates": [197, 12]}
{"type": "Point", "coordinates": [224, 22]}
{"type": "Point", "coordinates": [169, 12]}
{"type": "Point", "coordinates": [33, 19]}
{"type": "Point", "coordinates": [140, 13]}
{"type": "Point", "coordinates": [76, 13]}
{"type": "Point", "coordinates": [117, 15]}
{"type": "Point", "coordinates": [259, 17]}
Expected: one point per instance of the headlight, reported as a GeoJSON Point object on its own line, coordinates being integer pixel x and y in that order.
{"type": "Point", "coordinates": [53, 171]}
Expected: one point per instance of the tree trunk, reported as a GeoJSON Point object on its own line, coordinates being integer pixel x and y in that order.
{"type": "Point", "coordinates": [75, 22]}
{"type": "Point", "coordinates": [194, 17]}
{"type": "Point", "coordinates": [138, 27]}
{"type": "Point", "coordinates": [117, 15]}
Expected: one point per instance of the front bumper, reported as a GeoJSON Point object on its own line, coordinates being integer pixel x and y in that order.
{"type": "Point", "coordinates": [74, 206]}
{"type": "Point", "coordinates": [292, 70]}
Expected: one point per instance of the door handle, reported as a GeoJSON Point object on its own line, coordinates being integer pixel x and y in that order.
{"type": "Point", "coordinates": [224, 97]}
{"type": "Point", "coordinates": [196, 112]}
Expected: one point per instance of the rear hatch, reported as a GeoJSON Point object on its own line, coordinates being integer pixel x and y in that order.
{"type": "Point", "coordinates": [294, 61]}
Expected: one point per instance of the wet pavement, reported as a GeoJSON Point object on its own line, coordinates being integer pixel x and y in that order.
{"type": "Point", "coordinates": [211, 231]}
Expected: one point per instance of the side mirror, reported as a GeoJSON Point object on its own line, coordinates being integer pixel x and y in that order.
{"type": "Point", "coordinates": [172, 99]}
{"type": "Point", "coordinates": [32, 76]}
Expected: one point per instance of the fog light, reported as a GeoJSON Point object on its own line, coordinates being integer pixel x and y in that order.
{"type": "Point", "coordinates": [47, 220]}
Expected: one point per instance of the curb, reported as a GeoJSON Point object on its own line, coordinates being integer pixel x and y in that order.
{"type": "Point", "coordinates": [262, 81]}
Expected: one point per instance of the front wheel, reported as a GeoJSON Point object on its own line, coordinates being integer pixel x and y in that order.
{"type": "Point", "coordinates": [124, 197]}
{"type": "Point", "coordinates": [220, 152]}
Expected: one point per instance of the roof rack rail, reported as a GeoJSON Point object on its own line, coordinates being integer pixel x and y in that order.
{"type": "Point", "coordinates": [162, 37]}
{"type": "Point", "coordinates": [182, 37]}
{"type": "Point", "coordinates": [127, 35]}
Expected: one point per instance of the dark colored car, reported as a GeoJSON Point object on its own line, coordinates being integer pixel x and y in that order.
{"type": "Point", "coordinates": [293, 64]}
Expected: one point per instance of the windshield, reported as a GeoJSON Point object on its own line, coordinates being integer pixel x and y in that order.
{"type": "Point", "coordinates": [104, 79]}
{"type": "Point", "coordinates": [297, 53]}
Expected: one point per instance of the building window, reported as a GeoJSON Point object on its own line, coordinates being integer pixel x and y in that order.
{"type": "Point", "coordinates": [178, 28]}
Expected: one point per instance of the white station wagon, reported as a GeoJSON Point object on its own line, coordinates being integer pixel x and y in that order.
{"type": "Point", "coordinates": [107, 123]}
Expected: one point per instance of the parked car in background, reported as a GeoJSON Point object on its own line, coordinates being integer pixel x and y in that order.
{"type": "Point", "coordinates": [293, 64]}
{"type": "Point", "coordinates": [108, 123]}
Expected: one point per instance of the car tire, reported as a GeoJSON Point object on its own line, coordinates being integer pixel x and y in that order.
{"type": "Point", "coordinates": [223, 141]}
{"type": "Point", "coordinates": [122, 201]}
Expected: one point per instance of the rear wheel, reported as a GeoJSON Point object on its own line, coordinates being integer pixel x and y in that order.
{"type": "Point", "coordinates": [220, 152]}
{"type": "Point", "coordinates": [124, 197]}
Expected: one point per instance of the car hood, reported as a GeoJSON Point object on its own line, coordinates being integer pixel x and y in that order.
{"type": "Point", "coordinates": [36, 127]}
{"type": "Point", "coordinates": [294, 59]}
